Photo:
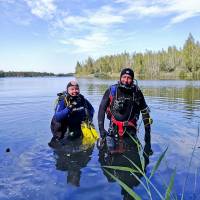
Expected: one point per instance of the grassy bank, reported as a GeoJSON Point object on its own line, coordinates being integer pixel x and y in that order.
{"type": "Point", "coordinates": [181, 75]}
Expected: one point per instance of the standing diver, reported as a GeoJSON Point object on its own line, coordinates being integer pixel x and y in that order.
{"type": "Point", "coordinates": [71, 110]}
{"type": "Point", "coordinates": [123, 103]}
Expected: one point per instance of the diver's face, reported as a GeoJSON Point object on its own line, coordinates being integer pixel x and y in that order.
{"type": "Point", "coordinates": [126, 79]}
{"type": "Point", "coordinates": [73, 90]}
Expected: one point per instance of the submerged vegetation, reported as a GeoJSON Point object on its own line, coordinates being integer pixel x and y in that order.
{"type": "Point", "coordinates": [173, 63]}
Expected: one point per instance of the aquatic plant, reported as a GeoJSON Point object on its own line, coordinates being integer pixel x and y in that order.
{"type": "Point", "coordinates": [148, 184]}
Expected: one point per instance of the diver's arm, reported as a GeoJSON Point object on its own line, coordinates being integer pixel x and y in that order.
{"type": "Point", "coordinates": [62, 112]}
{"type": "Point", "coordinates": [147, 123]}
{"type": "Point", "coordinates": [144, 109]}
{"type": "Point", "coordinates": [101, 113]}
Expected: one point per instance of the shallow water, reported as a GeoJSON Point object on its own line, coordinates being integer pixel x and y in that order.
{"type": "Point", "coordinates": [32, 170]}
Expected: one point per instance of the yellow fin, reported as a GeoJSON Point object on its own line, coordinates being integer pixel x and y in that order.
{"type": "Point", "coordinates": [90, 135]}
{"type": "Point", "coordinates": [94, 132]}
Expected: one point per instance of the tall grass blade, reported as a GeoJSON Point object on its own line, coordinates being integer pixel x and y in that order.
{"type": "Point", "coordinates": [173, 195]}
{"type": "Point", "coordinates": [195, 182]}
{"type": "Point", "coordinates": [192, 155]}
{"type": "Point", "coordinates": [139, 146]}
{"type": "Point", "coordinates": [136, 166]}
{"type": "Point", "coordinates": [123, 185]}
{"type": "Point", "coordinates": [132, 172]}
{"type": "Point", "coordinates": [135, 141]}
{"type": "Point", "coordinates": [127, 169]}
{"type": "Point", "coordinates": [146, 178]}
{"type": "Point", "coordinates": [170, 186]}
{"type": "Point", "coordinates": [158, 163]}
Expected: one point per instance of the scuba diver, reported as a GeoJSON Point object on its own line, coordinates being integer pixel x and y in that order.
{"type": "Point", "coordinates": [71, 110]}
{"type": "Point", "coordinates": [123, 103]}
{"type": "Point", "coordinates": [121, 152]}
{"type": "Point", "coordinates": [72, 158]}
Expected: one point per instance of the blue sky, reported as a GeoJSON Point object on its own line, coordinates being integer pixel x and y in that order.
{"type": "Point", "coordinates": [52, 35]}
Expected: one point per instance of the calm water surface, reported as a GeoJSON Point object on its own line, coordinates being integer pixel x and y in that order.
{"type": "Point", "coordinates": [32, 170]}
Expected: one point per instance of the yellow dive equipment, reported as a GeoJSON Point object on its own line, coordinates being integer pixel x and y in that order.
{"type": "Point", "coordinates": [90, 134]}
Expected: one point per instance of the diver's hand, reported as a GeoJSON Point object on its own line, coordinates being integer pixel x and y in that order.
{"type": "Point", "coordinates": [101, 142]}
{"type": "Point", "coordinates": [103, 133]}
{"type": "Point", "coordinates": [72, 106]}
{"type": "Point", "coordinates": [148, 150]}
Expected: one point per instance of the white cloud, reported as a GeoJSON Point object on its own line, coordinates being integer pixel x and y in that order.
{"type": "Point", "coordinates": [184, 10]}
{"type": "Point", "coordinates": [42, 8]}
{"type": "Point", "coordinates": [182, 17]}
{"type": "Point", "coordinates": [89, 44]}
{"type": "Point", "coordinates": [74, 20]}
{"type": "Point", "coordinates": [181, 10]}
{"type": "Point", "coordinates": [105, 16]}
{"type": "Point", "coordinates": [101, 23]}
{"type": "Point", "coordinates": [97, 24]}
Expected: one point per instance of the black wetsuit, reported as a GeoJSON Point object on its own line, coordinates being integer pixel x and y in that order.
{"type": "Point", "coordinates": [70, 117]}
{"type": "Point", "coordinates": [134, 107]}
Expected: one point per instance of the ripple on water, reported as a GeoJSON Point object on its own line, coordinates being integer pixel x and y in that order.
{"type": "Point", "coordinates": [29, 170]}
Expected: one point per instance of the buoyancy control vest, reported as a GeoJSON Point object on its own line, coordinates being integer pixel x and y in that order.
{"type": "Point", "coordinates": [123, 110]}
{"type": "Point", "coordinates": [77, 104]}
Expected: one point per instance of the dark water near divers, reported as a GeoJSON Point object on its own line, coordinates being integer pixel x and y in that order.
{"type": "Point", "coordinates": [32, 170]}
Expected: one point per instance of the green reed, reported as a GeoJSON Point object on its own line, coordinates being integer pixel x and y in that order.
{"type": "Point", "coordinates": [147, 184]}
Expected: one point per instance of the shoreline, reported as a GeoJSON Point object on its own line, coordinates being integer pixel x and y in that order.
{"type": "Point", "coordinates": [161, 76]}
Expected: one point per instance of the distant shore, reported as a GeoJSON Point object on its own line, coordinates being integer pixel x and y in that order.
{"type": "Point", "coordinates": [32, 74]}
{"type": "Point", "coordinates": [160, 76]}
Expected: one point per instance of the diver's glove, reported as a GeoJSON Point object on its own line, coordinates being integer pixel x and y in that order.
{"type": "Point", "coordinates": [102, 140]}
{"type": "Point", "coordinates": [103, 133]}
{"type": "Point", "coordinates": [72, 106]}
{"type": "Point", "coordinates": [147, 138]}
{"type": "Point", "coordinates": [148, 150]}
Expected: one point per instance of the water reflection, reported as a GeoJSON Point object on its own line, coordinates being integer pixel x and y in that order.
{"type": "Point", "coordinates": [119, 153]}
{"type": "Point", "coordinates": [175, 108]}
{"type": "Point", "coordinates": [184, 100]}
{"type": "Point", "coordinates": [188, 93]}
{"type": "Point", "coordinates": [182, 96]}
{"type": "Point", "coordinates": [72, 157]}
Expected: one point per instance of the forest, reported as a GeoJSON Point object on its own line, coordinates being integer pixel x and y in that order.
{"type": "Point", "coordinates": [30, 74]}
{"type": "Point", "coordinates": [173, 63]}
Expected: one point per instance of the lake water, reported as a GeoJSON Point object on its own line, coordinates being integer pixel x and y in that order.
{"type": "Point", "coordinates": [33, 170]}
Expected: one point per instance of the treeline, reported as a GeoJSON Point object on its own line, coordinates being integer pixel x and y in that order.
{"type": "Point", "coordinates": [31, 74]}
{"type": "Point", "coordinates": [173, 63]}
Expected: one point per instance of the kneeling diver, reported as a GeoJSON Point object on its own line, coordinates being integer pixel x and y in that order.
{"type": "Point", "coordinates": [71, 110]}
